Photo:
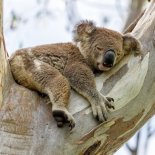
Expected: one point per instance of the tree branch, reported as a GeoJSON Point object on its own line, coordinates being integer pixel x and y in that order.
{"type": "Point", "coordinates": [133, 24]}
{"type": "Point", "coordinates": [5, 74]}
{"type": "Point", "coordinates": [129, 148]}
{"type": "Point", "coordinates": [134, 10]}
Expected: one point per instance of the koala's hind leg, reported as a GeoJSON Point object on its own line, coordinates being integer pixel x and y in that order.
{"type": "Point", "coordinates": [46, 79]}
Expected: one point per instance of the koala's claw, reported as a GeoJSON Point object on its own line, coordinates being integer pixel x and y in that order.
{"type": "Point", "coordinates": [60, 122]}
{"type": "Point", "coordinates": [63, 117]}
{"type": "Point", "coordinates": [110, 99]}
{"type": "Point", "coordinates": [110, 103]}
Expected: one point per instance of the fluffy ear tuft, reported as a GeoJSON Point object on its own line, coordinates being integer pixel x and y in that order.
{"type": "Point", "coordinates": [83, 30]}
{"type": "Point", "coordinates": [131, 44]}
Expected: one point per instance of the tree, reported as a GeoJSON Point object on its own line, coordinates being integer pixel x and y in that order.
{"type": "Point", "coordinates": [135, 9]}
{"type": "Point", "coordinates": [26, 123]}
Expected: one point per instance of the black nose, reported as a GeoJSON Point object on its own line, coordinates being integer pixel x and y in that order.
{"type": "Point", "coordinates": [109, 58]}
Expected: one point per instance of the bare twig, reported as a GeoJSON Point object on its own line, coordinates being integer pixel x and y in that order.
{"type": "Point", "coordinates": [134, 150]}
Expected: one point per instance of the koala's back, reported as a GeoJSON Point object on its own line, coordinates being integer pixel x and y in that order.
{"type": "Point", "coordinates": [56, 55]}
{"type": "Point", "coordinates": [28, 59]}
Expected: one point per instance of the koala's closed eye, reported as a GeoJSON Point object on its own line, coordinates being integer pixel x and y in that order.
{"type": "Point", "coordinates": [99, 48]}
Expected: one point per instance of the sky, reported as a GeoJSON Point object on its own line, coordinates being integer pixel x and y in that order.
{"type": "Point", "coordinates": [49, 21]}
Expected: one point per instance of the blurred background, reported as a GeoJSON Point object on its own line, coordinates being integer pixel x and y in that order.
{"type": "Point", "coordinates": [34, 22]}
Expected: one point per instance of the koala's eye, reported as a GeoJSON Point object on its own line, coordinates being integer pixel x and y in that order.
{"type": "Point", "coordinates": [99, 48]}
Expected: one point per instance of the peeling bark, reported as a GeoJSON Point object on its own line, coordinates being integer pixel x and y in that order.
{"type": "Point", "coordinates": [28, 128]}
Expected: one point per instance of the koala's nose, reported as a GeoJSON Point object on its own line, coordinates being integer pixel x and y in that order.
{"type": "Point", "coordinates": [109, 58]}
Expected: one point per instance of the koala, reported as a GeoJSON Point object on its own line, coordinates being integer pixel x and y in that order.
{"type": "Point", "coordinates": [54, 69]}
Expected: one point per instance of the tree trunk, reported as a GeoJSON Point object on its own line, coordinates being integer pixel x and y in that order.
{"type": "Point", "coordinates": [28, 128]}
{"type": "Point", "coordinates": [134, 10]}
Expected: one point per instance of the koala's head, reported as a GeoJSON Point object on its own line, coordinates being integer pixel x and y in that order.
{"type": "Point", "coordinates": [101, 47]}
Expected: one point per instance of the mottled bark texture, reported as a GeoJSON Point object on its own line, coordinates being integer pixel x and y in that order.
{"type": "Point", "coordinates": [28, 128]}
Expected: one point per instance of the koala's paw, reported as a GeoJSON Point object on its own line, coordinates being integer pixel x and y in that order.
{"type": "Point", "coordinates": [110, 103]}
{"type": "Point", "coordinates": [62, 117]}
{"type": "Point", "coordinates": [100, 109]}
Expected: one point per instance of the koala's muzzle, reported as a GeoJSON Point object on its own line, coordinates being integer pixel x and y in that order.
{"type": "Point", "coordinates": [109, 58]}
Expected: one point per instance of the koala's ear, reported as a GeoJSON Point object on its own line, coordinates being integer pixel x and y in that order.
{"type": "Point", "coordinates": [131, 44]}
{"type": "Point", "coordinates": [83, 30]}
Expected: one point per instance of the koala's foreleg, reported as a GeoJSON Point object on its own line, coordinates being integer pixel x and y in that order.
{"type": "Point", "coordinates": [45, 79]}
{"type": "Point", "coordinates": [82, 80]}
